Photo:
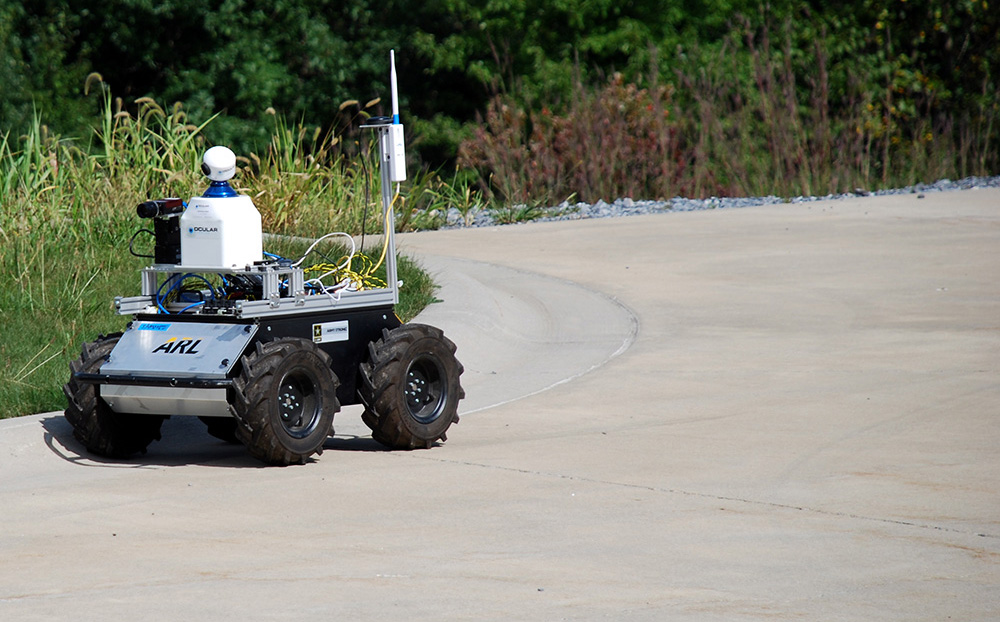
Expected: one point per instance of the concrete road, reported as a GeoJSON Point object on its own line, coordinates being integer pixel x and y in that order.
{"type": "Point", "coordinates": [785, 412]}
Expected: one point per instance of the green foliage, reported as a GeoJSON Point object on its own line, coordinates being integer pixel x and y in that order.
{"type": "Point", "coordinates": [912, 60]}
{"type": "Point", "coordinates": [239, 56]}
{"type": "Point", "coordinates": [39, 63]}
{"type": "Point", "coordinates": [776, 108]}
{"type": "Point", "coordinates": [435, 197]}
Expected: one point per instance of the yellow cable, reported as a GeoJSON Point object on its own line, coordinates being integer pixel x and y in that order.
{"type": "Point", "coordinates": [363, 277]}
{"type": "Point", "coordinates": [388, 223]}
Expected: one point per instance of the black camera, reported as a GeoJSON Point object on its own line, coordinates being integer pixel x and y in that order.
{"type": "Point", "coordinates": [166, 227]}
{"type": "Point", "coordinates": [160, 208]}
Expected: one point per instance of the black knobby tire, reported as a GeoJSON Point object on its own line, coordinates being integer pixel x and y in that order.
{"type": "Point", "coordinates": [410, 387]}
{"type": "Point", "coordinates": [101, 430]}
{"type": "Point", "coordinates": [284, 400]}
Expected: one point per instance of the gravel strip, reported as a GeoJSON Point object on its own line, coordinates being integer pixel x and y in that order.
{"type": "Point", "coordinates": [628, 207]}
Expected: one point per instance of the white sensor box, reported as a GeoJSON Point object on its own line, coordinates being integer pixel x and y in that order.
{"type": "Point", "coordinates": [396, 152]}
{"type": "Point", "coordinates": [221, 232]}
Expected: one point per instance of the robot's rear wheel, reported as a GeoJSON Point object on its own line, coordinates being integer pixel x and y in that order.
{"type": "Point", "coordinates": [410, 387]}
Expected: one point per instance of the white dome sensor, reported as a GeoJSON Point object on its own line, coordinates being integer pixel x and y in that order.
{"type": "Point", "coordinates": [219, 163]}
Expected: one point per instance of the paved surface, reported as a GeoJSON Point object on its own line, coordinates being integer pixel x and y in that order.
{"type": "Point", "coordinates": [786, 412]}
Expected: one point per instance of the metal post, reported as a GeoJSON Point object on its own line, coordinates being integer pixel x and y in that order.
{"type": "Point", "coordinates": [388, 218]}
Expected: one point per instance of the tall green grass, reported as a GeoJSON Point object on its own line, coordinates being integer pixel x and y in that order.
{"type": "Point", "coordinates": [67, 212]}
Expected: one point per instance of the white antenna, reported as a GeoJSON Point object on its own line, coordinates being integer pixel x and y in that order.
{"type": "Point", "coordinates": [392, 80]}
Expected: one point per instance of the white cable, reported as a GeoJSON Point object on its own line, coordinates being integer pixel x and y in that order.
{"type": "Point", "coordinates": [350, 257]}
{"type": "Point", "coordinates": [326, 289]}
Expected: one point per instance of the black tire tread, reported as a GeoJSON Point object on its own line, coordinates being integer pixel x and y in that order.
{"type": "Point", "coordinates": [250, 401]}
{"type": "Point", "coordinates": [380, 387]}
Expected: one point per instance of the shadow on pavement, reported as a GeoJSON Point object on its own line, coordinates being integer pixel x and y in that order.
{"type": "Point", "coordinates": [348, 442]}
{"type": "Point", "coordinates": [185, 442]}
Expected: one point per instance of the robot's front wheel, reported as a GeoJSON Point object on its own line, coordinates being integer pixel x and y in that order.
{"type": "Point", "coordinates": [284, 400]}
{"type": "Point", "coordinates": [410, 387]}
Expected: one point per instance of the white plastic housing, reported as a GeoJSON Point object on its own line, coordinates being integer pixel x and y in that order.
{"type": "Point", "coordinates": [221, 232]}
{"type": "Point", "coordinates": [219, 163]}
{"type": "Point", "coordinates": [396, 153]}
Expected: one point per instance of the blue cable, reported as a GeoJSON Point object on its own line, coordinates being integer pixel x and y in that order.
{"type": "Point", "coordinates": [159, 299]}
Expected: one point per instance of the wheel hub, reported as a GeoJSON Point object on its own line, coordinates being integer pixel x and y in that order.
{"type": "Point", "coordinates": [423, 391]}
{"type": "Point", "coordinates": [416, 390]}
{"type": "Point", "coordinates": [298, 406]}
{"type": "Point", "coordinates": [291, 405]}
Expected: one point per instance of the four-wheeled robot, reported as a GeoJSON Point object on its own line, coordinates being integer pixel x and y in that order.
{"type": "Point", "coordinates": [243, 340]}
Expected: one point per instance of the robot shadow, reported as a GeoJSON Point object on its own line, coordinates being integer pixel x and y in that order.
{"type": "Point", "coordinates": [185, 442]}
{"type": "Point", "coordinates": [347, 442]}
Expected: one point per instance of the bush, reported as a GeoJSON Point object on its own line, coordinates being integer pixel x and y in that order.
{"type": "Point", "coordinates": [767, 112]}
{"type": "Point", "coordinates": [611, 142]}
